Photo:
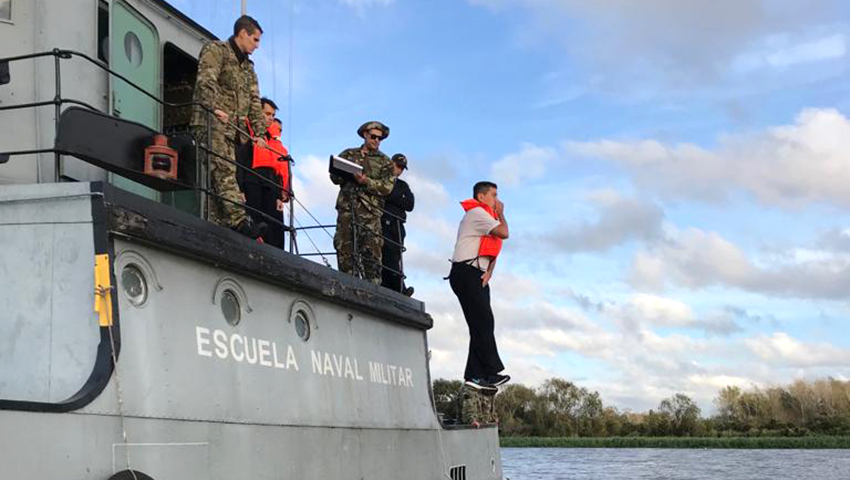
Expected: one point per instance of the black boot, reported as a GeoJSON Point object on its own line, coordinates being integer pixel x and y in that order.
{"type": "Point", "coordinates": [250, 229]}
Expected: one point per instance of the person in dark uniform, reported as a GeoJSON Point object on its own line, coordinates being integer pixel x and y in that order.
{"type": "Point", "coordinates": [396, 206]}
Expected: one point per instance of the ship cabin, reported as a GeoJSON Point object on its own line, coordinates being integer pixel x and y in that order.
{"type": "Point", "coordinates": [133, 60]}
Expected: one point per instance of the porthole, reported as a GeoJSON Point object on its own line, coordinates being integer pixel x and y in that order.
{"type": "Point", "coordinates": [230, 307]}
{"type": "Point", "coordinates": [133, 49]}
{"type": "Point", "coordinates": [302, 325]}
{"type": "Point", "coordinates": [134, 284]}
{"type": "Point", "coordinates": [303, 320]}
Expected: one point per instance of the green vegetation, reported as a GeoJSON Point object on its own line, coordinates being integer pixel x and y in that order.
{"type": "Point", "coordinates": [819, 442]}
{"type": "Point", "coordinates": [801, 415]}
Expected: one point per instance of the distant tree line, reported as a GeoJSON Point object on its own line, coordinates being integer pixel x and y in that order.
{"type": "Point", "coordinates": [560, 408]}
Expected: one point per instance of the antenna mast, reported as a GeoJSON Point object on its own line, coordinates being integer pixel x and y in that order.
{"type": "Point", "coordinates": [244, 6]}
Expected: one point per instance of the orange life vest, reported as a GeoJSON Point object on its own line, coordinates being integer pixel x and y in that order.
{"type": "Point", "coordinates": [490, 244]}
{"type": "Point", "coordinates": [271, 156]}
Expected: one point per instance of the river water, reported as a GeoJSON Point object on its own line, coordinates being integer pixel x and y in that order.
{"type": "Point", "coordinates": [673, 464]}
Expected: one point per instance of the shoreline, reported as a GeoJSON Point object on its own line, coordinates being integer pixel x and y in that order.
{"type": "Point", "coordinates": [812, 442]}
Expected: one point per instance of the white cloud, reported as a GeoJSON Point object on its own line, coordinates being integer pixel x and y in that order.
{"type": "Point", "coordinates": [787, 166]}
{"type": "Point", "coordinates": [781, 348]}
{"type": "Point", "coordinates": [620, 220]}
{"type": "Point", "coordinates": [831, 47]}
{"type": "Point", "coordinates": [314, 189]}
{"type": "Point", "coordinates": [527, 164]}
{"type": "Point", "coordinates": [366, 3]}
{"type": "Point", "coordinates": [662, 311]}
{"type": "Point", "coordinates": [685, 42]}
{"type": "Point", "coordinates": [697, 259]}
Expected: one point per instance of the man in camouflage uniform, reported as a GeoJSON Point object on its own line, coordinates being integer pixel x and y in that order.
{"type": "Point", "coordinates": [227, 85]}
{"type": "Point", "coordinates": [361, 200]}
{"type": "Point", "coordinates": [479, 407]}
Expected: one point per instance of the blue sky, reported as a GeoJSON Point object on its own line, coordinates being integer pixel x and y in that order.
{"type": "Point", "coordinates": [675, 173]}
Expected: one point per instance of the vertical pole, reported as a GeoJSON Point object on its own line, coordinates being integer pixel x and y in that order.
{"type": "Point", "coordinates": [57, 102]}
{"type": "Point", "coordinates": [207, 172]}
{"type": "Point", "coordinates": [244, 7]}
{"type": "Point", "coordinates": [401, 255]}
{"type": "Point", "coordinates": [358, 260]}
{"type": "Point", "coordinates": [291, 211]}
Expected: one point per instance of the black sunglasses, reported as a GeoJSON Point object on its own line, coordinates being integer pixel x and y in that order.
{"type": "Point", "coordinates": [375, 137]}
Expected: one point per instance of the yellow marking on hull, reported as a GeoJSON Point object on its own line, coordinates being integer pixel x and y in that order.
{"type": "Point", "coordinates": [103, 290]}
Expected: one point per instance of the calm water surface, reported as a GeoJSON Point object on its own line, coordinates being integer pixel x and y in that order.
{"type": "Point", "coordinates": [673, 464]}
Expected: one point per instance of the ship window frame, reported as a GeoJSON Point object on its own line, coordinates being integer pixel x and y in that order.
{"type": "Point", "coordinates": [230, 300]}
{"type": "Point", "coordinates": [302, 325]}
{"type": "Point", "coordinates": [102, 36]}
{"type": "Point", "coordinates": [302, 309]}
{"type": "Point", "coordinates": [145, 294]}
{"type": "Point", "coordinates": [10, 20]}
{"type": "Point", "coordinates": [231, 286]}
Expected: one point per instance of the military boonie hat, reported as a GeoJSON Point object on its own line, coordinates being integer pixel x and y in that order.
{"type": "Point", "coordinates": [400, 160]}
{"type": "Point", "coordinates": [385, 130]}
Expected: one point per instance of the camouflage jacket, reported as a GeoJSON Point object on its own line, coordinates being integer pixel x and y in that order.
{"type": "Point", "coordinates": [379, 181]}
{"type": "Point", "coordinates": [227, 81]}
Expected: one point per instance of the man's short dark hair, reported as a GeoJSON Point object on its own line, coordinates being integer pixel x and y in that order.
{"type": "Point", "coordinates": [482, 187]}
{"type": "Point", "coordinates": [246, 23]}
{"type": "Point", "coordinates": [277, 121]}
{"type": "Point", "coordinates": [267, 101]}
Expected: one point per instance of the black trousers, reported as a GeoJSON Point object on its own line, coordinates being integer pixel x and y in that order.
{"type": "Point", "coordinates": [392, 229]}
{"type": "Point", "coordinates": [483, 358]}
{"type": "Point", "coordinates": [264, 198]}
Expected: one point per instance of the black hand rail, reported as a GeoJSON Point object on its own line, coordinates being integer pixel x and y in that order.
{"type": "Point", "coordinates": [202, 187]}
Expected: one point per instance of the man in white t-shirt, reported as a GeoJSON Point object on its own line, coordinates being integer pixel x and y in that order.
{"type": "Point", "coordinates": [479, 237]}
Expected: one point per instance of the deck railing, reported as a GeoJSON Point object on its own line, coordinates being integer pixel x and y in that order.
{"type": "Point", "coordinates": [201, 185]}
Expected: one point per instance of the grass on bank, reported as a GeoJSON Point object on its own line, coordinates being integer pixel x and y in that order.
{"type": "Point", "coordinates": [813, 442]}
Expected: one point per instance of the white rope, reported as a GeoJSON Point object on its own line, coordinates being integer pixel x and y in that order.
{"type": "Point", "coordinates": [120, 395]}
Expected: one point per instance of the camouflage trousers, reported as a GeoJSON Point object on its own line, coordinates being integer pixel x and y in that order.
{"type": "Point", "coordinates": [365, 261]}
{"type": "Point", "coordinates": [478, 408]}
{"type": "Point", "coordinates": [226, 211]}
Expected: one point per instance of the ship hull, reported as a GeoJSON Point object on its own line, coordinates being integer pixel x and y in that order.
{"type": "Point", "coordinates": [234, 359]}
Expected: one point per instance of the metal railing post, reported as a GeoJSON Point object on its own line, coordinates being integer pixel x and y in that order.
{"type": "Point", "coordinates": [206, 168]}
{"type": "Point", "coordinates": [57, 100]}
{"type": "Point", "coordinates": [292, 245]}
{"type": "Point", "coordinates": [358, 261]}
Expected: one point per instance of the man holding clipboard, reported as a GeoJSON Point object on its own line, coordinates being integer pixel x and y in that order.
{"type": "Point", "coordinates": [359, 205]}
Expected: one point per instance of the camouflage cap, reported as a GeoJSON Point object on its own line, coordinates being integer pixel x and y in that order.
{"type": "Point", "coordinates": [400, 160]}
{"type": "Point", "coordinates": [371, 126]}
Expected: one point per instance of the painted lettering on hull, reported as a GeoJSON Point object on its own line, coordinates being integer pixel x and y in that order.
{"type": "Point", "coordinates": [390, 374]}
{"type": "Point", "coordinates": [244, 349]}
{"type": "Point", "coordinates": [333, 365]}
{"type": "Point", "coordinates": [266, 353]}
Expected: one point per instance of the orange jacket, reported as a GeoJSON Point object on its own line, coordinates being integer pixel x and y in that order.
{"type": "Point", "coordinates": [490, 244]}
{"type": "Point", "coordinates": [272, 156]}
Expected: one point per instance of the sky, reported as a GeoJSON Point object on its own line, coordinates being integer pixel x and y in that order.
{"type": "Point", "coordinates": [676, 173]}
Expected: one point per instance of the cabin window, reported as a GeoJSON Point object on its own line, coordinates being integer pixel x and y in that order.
{"type": "Point", "coordinates": [6, 10]}
{"type": "Point", "coordinates": [103, 32]}
{"type": "Point", "coordinates": [133, 49]}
